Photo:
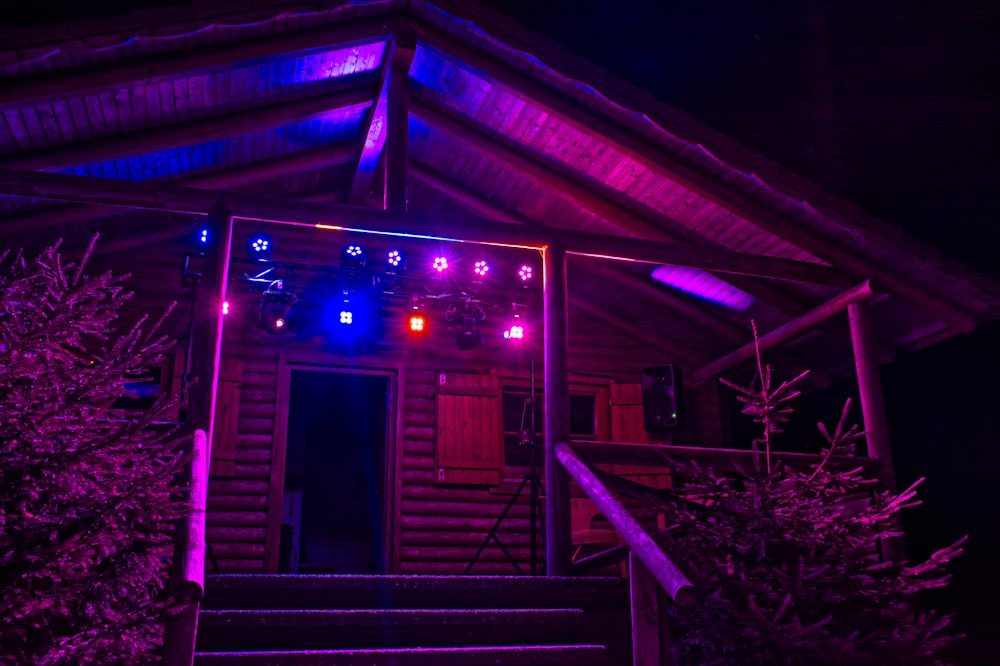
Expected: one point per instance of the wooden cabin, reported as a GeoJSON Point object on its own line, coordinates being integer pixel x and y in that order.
{"type": "Point", "coordinates": [341, 440]}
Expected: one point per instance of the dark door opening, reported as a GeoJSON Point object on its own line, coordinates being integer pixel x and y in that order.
{"type": "Point", "coordinates": [333, 514]}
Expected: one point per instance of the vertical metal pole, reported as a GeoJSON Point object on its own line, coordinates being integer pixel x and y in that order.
{"type": "Point", "coordinates": [397, 121]}
{"type": "Point", "coordinates": [557, 508]}
{"type": "Point", "coordinates": [873, 409]}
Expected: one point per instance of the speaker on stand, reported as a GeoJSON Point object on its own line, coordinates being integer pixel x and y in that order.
{"type": "Point", "coordinates": [661, 398]}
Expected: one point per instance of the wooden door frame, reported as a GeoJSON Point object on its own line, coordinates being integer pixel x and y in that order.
{"type": "Point", "coordinates": [391, 507]}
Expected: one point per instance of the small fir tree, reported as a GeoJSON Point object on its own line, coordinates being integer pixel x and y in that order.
{"type": "Point", "coordinates": [87, 495]}
{"type": "Point", "coordinates": [788, 559]}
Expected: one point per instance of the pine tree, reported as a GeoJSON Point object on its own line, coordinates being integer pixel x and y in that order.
{"type": "Point", "coordinates": [788, 562]}
{"type": "Point", "coordinates": [87, 495]}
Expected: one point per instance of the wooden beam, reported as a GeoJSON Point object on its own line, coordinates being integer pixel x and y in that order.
{"type": "Point", "coordinates": [307, 160]}
{"type": "Point", "coordinates": [397, 151]}
{"type": "Point", "coordinates": [164, 67]}
{"type": "Point", "coordinates": [636, 145]}
{"type": "Point", "coordinates": [190, 200]}
{"type": "Point", "coordinates": [517, 158]}
{"type": "Point", "coordinates": [371, 154]}
{"type": "Point", "coordinates": [350, 94]}
{"type": "Point", "coordinates": [558, 550]}
{"type": "Point", "coordinates": [789, 330]}
{"type": "Point", "coordinates": [650, 631]}
{"type": "Point", "coordinates": [870, 390]}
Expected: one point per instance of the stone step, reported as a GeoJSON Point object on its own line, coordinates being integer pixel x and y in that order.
{"type": "Point", "coordinates": [364, 592]}
{"type": "Point", "coordinates": [523, 655]}
{"type": "Point", "coordinates": [260, 630]}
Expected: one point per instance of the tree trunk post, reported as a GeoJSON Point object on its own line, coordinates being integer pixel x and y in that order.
{"type": "Point", "coordinates": [650, 641]}
{"type": "Point", "coordinates": [873, 409]}
{"type": "Point", "coordinates": [557, 507]}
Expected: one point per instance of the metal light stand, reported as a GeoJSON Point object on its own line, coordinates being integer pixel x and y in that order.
{"type": "Point", "coordinates": [526, 437]}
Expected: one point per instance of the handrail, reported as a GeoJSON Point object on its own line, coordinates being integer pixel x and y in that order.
{"type": "Point", "coordinates": [646, 549]}
{"type": "Point", "coordinates": [190, 585]}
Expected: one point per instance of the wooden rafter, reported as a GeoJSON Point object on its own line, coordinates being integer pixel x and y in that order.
{"type": "Point", "coordinates": [350, 94]}
{"type": "Point", "coordinates": [308, 160]}
{"type": "Point", "coordinates": [169, 66]}
{"type": "Point", "coordinates": [517, 159]}
{"type": "Point", "coordinates": [189, 200]}
{"type": "Point", "coordinates": [638, 147]}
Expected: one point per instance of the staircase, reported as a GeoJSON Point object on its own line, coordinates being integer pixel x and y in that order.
{"type": "Point", "coordinates": [279, 620]}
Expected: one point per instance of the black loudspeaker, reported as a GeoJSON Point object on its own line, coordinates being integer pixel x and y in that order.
{"type": "Point", "coordinates": [661, 398]}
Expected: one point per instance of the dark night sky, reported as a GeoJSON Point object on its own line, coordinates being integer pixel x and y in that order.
{"type": "Point", "coordinates": [894, 105]}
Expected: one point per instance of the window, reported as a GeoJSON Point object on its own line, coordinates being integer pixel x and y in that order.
{"type": "Point", "coordinates": [587, 419]}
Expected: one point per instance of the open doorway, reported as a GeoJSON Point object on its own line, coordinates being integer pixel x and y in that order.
{"type": "Point", "coordinates": [333, 508]}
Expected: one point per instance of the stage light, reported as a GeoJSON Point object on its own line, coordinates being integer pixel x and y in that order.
{"type": "Point", "coordinates": [515, 332]}
{"type": "Point", "coordinates": [440, 264]}
{"type": "Point", "coordinates": [417, 323]}
{"type": "Point", "coordinates": [525, 273]}
{"type": "Point", "coordinates": [395, 260]}
{"type": "Point", "coordinates": [353, 256]}
{"type": "Point", "coordinates": [516, 329]}
{"type": "Point", "coordinates": [259, 247]}
{"type": "Point", "coordinates": [275, 307]}
{"type": "Point", "coordinates": [203, 236]}
{"type": "Point", "coordinates": [481, 268]}
{"type": "Point", "coordinates": [346, 317]}
{"type": "Point", "coordinates": [225, 307]}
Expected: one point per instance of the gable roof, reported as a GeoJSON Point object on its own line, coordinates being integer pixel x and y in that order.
{"type": "Point", "coordinates": [288, 99]}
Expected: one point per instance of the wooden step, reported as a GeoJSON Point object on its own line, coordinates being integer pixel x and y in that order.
{"type": "Point", "coordinates": [258, 630]}
{"type": "Point", "coordinates": [528, 655]}
{"type": "Point", "coordinates": [360, 592]}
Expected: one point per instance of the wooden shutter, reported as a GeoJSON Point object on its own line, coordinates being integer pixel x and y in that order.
{"type": "Point", "coordinates": [227, 417]}
{"type": "Point", "coordinates": [627, 427]}
{"type": "Point", "coordinates": [469, 429]}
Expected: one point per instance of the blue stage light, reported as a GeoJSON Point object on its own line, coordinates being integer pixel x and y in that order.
{"type": "Point", "coordinates": [259, 247]}
{"type": "Point", "coordinates": [203, 236]}
{"type": "Point", "coordinates": [395, 260]}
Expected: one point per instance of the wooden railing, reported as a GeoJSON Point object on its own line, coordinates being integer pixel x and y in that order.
{"type": "Point", "coordinates": [650, 568]}
{"type": "Point", "coordinates": [189, 584]}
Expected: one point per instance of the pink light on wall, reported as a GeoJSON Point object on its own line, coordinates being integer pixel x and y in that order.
{"type": "Point", "coordinates": [703, 285]}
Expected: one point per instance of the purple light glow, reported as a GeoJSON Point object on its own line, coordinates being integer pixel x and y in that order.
{"type": "Point", "coordinates": [703, 285]}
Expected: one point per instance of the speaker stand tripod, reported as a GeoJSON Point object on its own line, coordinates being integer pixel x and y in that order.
{"type": "Point", "coordinates": [526, 437]}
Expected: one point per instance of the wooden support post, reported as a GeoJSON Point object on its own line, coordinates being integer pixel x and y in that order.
{"type": "Point", "coordinates": [870, 389]}
{"type": "Point", "coordinates": [398, 123]}
{"type": "Point", "coordinates": [873, 409]}
{"type": "Point", "coordinates": [558, 552]}
{"type": "Point", "coordinates": [650, 640]}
